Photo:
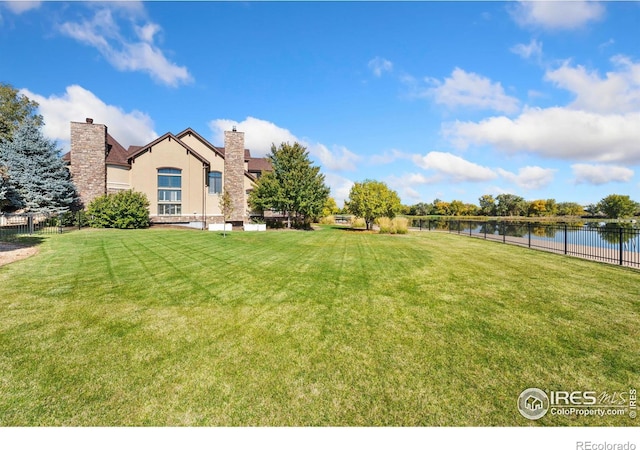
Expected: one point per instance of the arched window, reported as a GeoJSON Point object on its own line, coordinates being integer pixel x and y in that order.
{"type": "Point", "coordinates": [215, 182]}
{"type": "Point", "coordinates": [169, 192]}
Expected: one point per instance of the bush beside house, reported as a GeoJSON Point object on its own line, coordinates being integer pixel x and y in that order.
{"type": "Point", "coordinates": [125, 209]}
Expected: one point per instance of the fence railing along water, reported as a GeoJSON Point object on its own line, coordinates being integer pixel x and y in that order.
{"type": "Point", "coordinates": [25, 224]}
{"type": "Point", "coordinates": [614, 242]}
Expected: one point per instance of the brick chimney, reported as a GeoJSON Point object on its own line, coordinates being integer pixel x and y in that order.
{"type": "Point", "coordinates": [88, 159]}
{"type": "Point", "coordinates": [234, 173]}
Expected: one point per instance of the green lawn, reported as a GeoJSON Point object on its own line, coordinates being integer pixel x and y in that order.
{"type": "Point", "coordinates": [330, 327]}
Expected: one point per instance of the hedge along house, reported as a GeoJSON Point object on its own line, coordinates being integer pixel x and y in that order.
{"type": "Point", "coordinates": [182, 175]}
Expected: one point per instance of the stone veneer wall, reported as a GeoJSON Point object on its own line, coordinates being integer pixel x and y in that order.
{"type": "Point", "coordinates": [88, 159]}
{"type": "Point", "coordinates": [234, 173]}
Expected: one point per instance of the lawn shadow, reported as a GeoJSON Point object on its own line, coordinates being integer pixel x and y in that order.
{"type": "Point", "coordinates": [11, 242]}
{"type": "Point", "coordinates": [348, 228]}
{"type": "Point", "coordinates": [20, 247]}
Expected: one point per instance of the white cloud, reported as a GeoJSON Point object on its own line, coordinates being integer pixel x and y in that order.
{"type": "Point", "coordinates": [388, 157]}
{"type": "Point", "coordinates": [454, 167]}
{"type": "Point", "coordinates": [407, 183]}
{"type": "Point", "coordinates": [340, 187]}
{"type": "Point", "coordinates": [530, 177]}
{"type": "Point", "coordinates": [379, 65]}
{"type": "Point", "coordinates": [77, 103]}
{"type": "Point", "coordinates": [469, 90]}
{"type": "Point", "coordinates": [557, 15]}
{"type": "Point", "coordinates": [102, 32]}
{"type": "Point", "coordinates": [527, 51]}
{"type": "Point", "coordinates": [619, 92]}
{"type": "Point", "coordinates": [340, 158]}
{"type": "Point", "coordinates": [261, 134]}
{"type": "Point", "coordinates": [18, 7]}
{"type": "Point", "coordinates": [556, 133]}
{"type": "Point", "coordinates": [600, 173]}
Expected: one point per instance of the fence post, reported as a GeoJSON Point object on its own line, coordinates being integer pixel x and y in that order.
{"type": "Point", "coordinates": [30, 223]}
{"type": "Point", "coordinates": [529, 232]}
{"type": "Point", "coordinates": [620, 231]}
{"type": "Point", "coordinates": [470, 228]}
{"type": "Point", "coordinates": [565, 238]}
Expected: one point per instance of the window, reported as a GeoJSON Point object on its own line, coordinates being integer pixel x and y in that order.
{"type": "Point", "coordinates": [215, 182]}
{"type": "Point", "coordinates": [169, 192]}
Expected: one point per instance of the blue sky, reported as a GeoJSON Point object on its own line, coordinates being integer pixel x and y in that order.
{"type": "Point", "coordinates": [449, 100]}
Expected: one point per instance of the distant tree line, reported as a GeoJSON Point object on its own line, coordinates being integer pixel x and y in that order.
{"type": "Point", "coordinates": [614, 206]}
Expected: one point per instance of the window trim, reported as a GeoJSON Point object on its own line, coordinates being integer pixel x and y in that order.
{"type": "Point", "coordinates": [211, 189]}
{"type": "Point", "coordinates": [173, 206]}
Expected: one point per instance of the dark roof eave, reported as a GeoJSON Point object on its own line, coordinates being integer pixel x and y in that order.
{"type": "Point", "coordinates": [148, 147]}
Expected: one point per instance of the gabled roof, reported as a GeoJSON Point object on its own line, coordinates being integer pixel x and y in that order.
{"type": "Point", "coordinates": [116, 154]}
{"type": "Point", "coordinates": [169, 136]}
{"type": "Point", "coordinates": [259, 165]}
{"type": "Point", "coordinates": [191, 132]}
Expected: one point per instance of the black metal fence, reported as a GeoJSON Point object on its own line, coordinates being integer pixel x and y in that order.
{"type": "Point", "coordinates": [617, 243]}
{"type": "Point", "coordinates": [13, 226]}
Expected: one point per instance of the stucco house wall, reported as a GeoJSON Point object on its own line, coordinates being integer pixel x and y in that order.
{"type": "Point", "coordinates": [137, 169]}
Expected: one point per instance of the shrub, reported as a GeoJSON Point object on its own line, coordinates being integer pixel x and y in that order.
{"type": "Point", "coordinates": [401, 225]}
{"type": "Point", "coordinates": [397, 225]}
{"type": "Point", "coordinates": [384, 224]}
{"type": "Point", "coordinates": [359, 222]}
{"type": "Point", "coordinates": [328, 220]}
{"type": "Point", "coordinates": [125, 209]}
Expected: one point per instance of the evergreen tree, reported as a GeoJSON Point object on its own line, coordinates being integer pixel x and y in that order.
{"type": "Point", "coordinates": [294, 187]}
{"type": "Point", "coordinates": [37, 175]}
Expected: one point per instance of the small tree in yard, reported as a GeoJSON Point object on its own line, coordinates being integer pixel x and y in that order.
{"type": "Point", "coordinates": [35, 175]}
{"type": "Point", "coordinates": [372, 199]}
{"type": "Point", "coordinates": [226, 206]}
{"type": "Point", "coordinates": [294, 187]}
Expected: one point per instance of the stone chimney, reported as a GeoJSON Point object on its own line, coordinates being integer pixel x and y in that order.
{"type": "Point", "coordinates": [88, 159]}
{"type": "Point", "coordinates": [234, 173]}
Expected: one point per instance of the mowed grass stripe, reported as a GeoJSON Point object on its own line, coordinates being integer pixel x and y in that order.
{"type": "Point", "coordinates": [330, 327]}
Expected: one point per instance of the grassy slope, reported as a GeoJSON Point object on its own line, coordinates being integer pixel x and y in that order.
{"type": "Point", "coordinates": [172, 327]}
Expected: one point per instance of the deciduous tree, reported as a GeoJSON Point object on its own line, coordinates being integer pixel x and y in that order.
{"type": "Point", "coordinates": [330, 207]}
{"type": "Point", "coordinates": [487, 205]}
{"type": "Point", "coordinates": [371, 199]}
{"type": "Point", "coordinates": [570, 209]}
{"type": "Point", "coordinates": [14, 109]}
{"type": "Point", "coordinates": [616, 206]}
{"type": "Point", "coordinates": [226, 207]}
{"type": "Point", "coordinates": [510, 205]}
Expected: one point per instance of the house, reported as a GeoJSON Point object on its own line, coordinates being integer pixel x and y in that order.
{"type": "Point", "coordinates": [183, 175]}
{"type": "Point", "coordinates": [533, 403]}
